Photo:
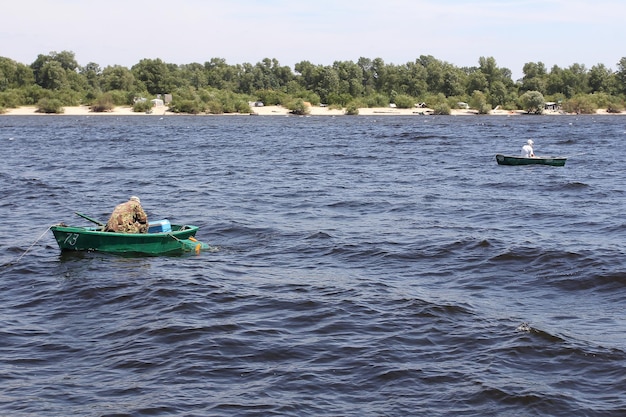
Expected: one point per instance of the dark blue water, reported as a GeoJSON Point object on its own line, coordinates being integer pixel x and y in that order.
{"type": "Point", "coordinates": [360, 266]}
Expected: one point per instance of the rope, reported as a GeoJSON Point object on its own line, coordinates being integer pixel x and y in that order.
{"type": "Point", "coordinates": [191, 238]}
{"type": "Point", "coordinates": [29, 248]}
{"type": "Point", "coordinates": [173, 237]}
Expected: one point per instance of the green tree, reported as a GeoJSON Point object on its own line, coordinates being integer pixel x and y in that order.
{"type": "Point", "coordinates": [91, 73]}
{"type": "Point", "coordinates": [620, 76]}
{"type": "Point", "coordinates": [350, 78]}
{"type": "Point", "coordinates": [65, 60]}
{"type": "Point", "coordinates": [52, 76]}
{"type": "Point", "coordinates": [479, 102]}
{"type": "Point", "coordinates": [534, 78]}
{"type": "Point", "coordinates": [14, 74]}
{"type": "Point", "coordinates": [452, 82]}
{"type": "Point", "coordinates": [532, 102]}
{"type": "Point", "coordinates": [155, 75]}
{"type": "Point", "coordinates": [476, 81]}
{"type": "Point", "coordinates": [219, 74]}
{"type": "Point", "coordinates": [498, 94]}
{"type": "Point", "coordinates": [195, 75]}
{"type": "Point", "coordinates": [270, 74]}
{"type": "Point", "coordinates": [328, 84]}
{"type": "Point", "coordinates": [574, 80]}
{"type": "Point", "coordinates": [489, 67]}
{"type": "Point", "coordinates": [368, 75]}
{"type": "Point", "coordinates": [599, 78]}
{"type": "Point", "coordinates": [117, 78]}
{"type": "Point", "coordinates": [416, 79]}
{"type": "Point", "coordinates": [308, 75]}
{"type": "Point", "coordinates": [434, 73]}
{"type": "Point", "coordinates": [555, 81]}
{"type": "Point", "coordinates": [379, 74]}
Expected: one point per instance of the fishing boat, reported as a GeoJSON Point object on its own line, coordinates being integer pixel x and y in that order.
{"type": "Point", "coordinates": [162, 238]}
{"type": "Point", "coordinates": [555, 161]}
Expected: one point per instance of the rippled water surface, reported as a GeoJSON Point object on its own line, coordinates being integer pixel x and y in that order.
{"type": "Point", "coordinates": [358, 266]}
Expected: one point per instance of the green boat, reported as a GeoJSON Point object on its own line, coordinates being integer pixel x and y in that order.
{"type": "Point", "coordinates": [555, 161]}
{"type": "Point", "coordinates": [175, 239]}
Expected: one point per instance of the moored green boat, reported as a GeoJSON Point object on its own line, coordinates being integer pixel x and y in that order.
{"type": "Point", "coordinates": [179, 240]}
{"type": "Point", "coordinates": [555, 161]}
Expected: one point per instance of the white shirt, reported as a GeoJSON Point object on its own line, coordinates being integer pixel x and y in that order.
{"type": "Point", "coordinates": [527, 151]}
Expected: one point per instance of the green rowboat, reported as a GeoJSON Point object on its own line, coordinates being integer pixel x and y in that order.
{"type": "Point", "coordinates": [537, 160]}
{"type": "Point", "coordinates": [177, 241]}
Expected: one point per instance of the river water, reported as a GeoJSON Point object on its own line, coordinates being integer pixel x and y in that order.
{"type": "Point", "coordinates": [359, 266]}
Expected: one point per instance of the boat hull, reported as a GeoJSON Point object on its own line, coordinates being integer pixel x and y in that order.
{"type": "Point", "coordinates": [179, 240]}
{"type": "Point", "coordinates": [518, 160]}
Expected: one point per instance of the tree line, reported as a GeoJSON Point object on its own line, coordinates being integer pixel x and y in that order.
{"type": "Point", "coordinates": [56, 79]}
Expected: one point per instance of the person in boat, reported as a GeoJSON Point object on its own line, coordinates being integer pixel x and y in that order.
{"type": "Point", "coordinates": [128, 217]}
{"type": "Point", "coordinates": [527, 150]}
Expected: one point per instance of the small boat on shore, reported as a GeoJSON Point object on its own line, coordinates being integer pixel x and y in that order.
{"type": "Point", "coordinates": [162, 238]}
{"type": "Point", "coordinates": [555, 161]}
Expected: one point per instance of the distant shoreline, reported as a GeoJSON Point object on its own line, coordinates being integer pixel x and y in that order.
{"type": "Point", "coordinates": [275, 111]}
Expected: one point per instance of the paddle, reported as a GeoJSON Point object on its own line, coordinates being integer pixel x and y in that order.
{"type": "Point", "coordinates": [90, 219]}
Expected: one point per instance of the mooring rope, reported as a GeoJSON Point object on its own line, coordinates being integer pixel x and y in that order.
{"type": "Point", "coordinates": [183, 245]}
{"type": "Point", "coordinates": [29, 248]}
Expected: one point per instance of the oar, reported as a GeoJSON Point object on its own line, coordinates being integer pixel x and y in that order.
{"type": "Point", "coordinates": [90, 219]}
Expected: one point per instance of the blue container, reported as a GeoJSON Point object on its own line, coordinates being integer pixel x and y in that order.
{"type": "Point", "coordinates": [160, 226]}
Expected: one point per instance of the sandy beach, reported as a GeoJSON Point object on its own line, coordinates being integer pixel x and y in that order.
{"type": "Point", "coordinates": [270, 111]}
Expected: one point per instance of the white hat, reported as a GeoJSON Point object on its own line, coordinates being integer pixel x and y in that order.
{"type": "Point", "coordinates": [530, 142]}
{"type": "Point", "coordinates": [135, 198]}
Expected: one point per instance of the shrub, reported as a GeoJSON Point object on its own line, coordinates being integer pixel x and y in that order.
{"type": "Point", "coordinates": [615, 107]}
{"type": "Point", "coordinates": [341, 99]}
{"type": "Point", "coordinates": [352, 109]}
{"type": "Point", "coordinates": [441, 109]}
{"type": "Point", "coordinates": [12, 98]}
{"type": "Point", "coordinates": [103, 103]}
{"type": "Point", "coordinates": [270, 97]}
{"type": "Point", "coordinates": [187, 106]}
{"type": "Point", "coordinates": [404, 101]}
{"type": "Point", "coordinates": [215, 107]}
{"type": "Point", "coordinates": [311, 97]}
{"type": "Point", "coordinates": [121, 98]}
{"type": "Point", "coordinates": [242, 107]}
{"type": "Point", "coordinates": [90, 97]}
{"type": "Point", "coordinates": [68, 97]}
{"type": "Point", "coordinates": [582, 104]}
{"type": "Point", "coordinates": [229, 106]}
{"type": "Point", "coordinates": [49, 105]}
{"type": "Point", "coordinates": [432, 100]}
{"type": "Point", "coordinates": [298, 107]}
{"type": "Point", "coordinates": [142, 106]}
{"type": "Point", "coordinates": [612, 104]}
{"type": "Point", "coordinates": [532, 102]}
{"type": "Point", "coordinates": [376, 100]}
{"type": "Point", "coordinates": [479, 102]}
{"type": "Point", "coordinates": [484, 109]}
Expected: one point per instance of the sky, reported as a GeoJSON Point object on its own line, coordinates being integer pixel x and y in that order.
{"type": "Point", "coordinates": [123, 32]}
